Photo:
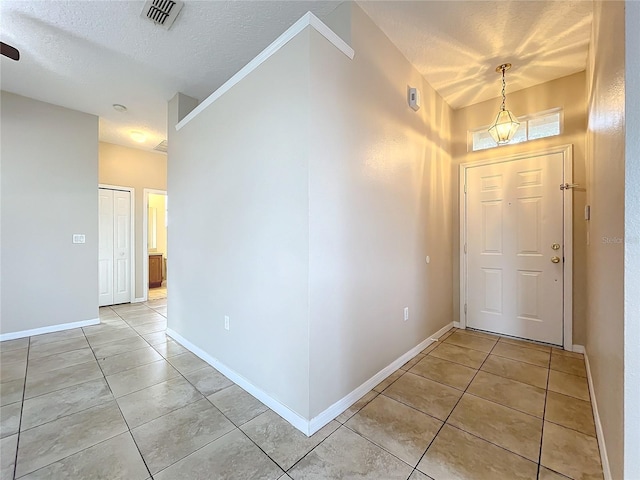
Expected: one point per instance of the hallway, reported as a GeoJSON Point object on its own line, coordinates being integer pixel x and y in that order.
{"type": "Point", "coordinates": [123, 400]}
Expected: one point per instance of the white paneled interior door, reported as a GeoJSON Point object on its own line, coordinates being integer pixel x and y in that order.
{"type": "Point", "coordinates": [515, 251]}
{"type": "Point", "coordinates": [114, 246]}
{"type": "Point", "coordinates": [105, 247]}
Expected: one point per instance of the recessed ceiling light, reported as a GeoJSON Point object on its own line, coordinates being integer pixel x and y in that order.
{"type": "Point", "coordinates": [137, 136]}
{"type": "Point", "coordinates": [119, 108]}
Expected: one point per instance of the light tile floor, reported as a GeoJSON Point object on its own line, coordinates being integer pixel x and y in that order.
{"type": "Point", "coordinates": [158, 292]}
{"type": "Point", "coordinates": [120, 400]}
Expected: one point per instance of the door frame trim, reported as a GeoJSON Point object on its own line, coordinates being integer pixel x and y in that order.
{"type": "Point", "coordinates": [132, 214]}
{"type": "Point", "coordinates": [145, 238]}
{"type": "Point", "coordinates": [567, 271]}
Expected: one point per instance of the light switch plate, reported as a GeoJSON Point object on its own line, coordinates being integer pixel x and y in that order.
{"type": "Point", "coordinates": [78, 238]}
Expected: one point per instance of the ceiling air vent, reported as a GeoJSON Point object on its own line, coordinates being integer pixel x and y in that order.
{"type": "Point", "coordinates": [162, 12]}
{"type": "Point", "coordinates": [161, 147]}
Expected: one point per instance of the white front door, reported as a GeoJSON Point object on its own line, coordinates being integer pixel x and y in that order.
{"type": "Point", "coordinates": [114, 246]}
{"type": "Point", "coordinates": [514, 245]}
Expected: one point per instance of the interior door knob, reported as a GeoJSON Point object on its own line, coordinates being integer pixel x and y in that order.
{"type": "Point", "coordinates": [555, 259]}
{"type": "Point", "coordinates": [555, 246]}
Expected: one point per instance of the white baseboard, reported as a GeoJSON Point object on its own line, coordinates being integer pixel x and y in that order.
{"type": "Point", "coordinates": [285, 412]}
{"type": "Point", "coordinates": [309, 427]}
{"type": "Point", "coordinates": [578, 348]}
{"type": "Point", "coordinates": [456, 324]}
{"type": "Point", "coordinates": [604, 458]}
{"type": "Point", "coordinates": [139, 300]}
{"type": "Point", "coordinates": [319, 421]}
{"type": "Point", "coordinates": [49, 329]}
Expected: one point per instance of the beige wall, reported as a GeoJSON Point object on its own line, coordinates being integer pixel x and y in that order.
{"type": "Point", "coordinates": [157, 208]}
{"type": "Point", "coordinates": [239, 237]}
{"type": "Point", "coordinates": [130, 167]}
{"type": "Point", "coordinates": [632, 244]}
{"type": "Point", "coordinates": [379, 203]}
{"type": "Point", "coordinates": [606, 193]}
{"type": "Point", "coordinates": [570, 94]}
{"type": "Point", "coordinates": [49, 177]}
{"type": "Point", "coordinates": [308, 221]}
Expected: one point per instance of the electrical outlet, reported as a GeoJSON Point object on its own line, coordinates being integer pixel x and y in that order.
{"type": "Point", "coordinates": [226, 322]}
{"type": "Point", "coordinates": [406, 313]}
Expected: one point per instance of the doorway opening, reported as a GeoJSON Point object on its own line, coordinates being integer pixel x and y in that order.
{"type": "Point", "coordinates": [154, 244]}
{"type": "Point", "coordinates": [516, 246]}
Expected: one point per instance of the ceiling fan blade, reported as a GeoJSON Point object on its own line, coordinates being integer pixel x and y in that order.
{"type": "Point", "coordinates": [9, 51]}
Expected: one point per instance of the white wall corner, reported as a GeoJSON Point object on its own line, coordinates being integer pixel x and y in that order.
{"type": "Point", "coordinates": [285, 412]}
{"type": "Point", "coordinates": [604, 458]}
{"type": "Point", "coordinates": [308, 427]}
{"type": "Point", "coordinates": [307, 20]}
{"type": "Point", "coordinates": [49, 329]}
{"type": "Point", "coordinates": [322, 419]}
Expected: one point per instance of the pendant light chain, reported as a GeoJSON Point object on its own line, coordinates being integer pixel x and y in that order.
{"type": "Point", "coordinates": [504, 127]}
{"type": "Point", "coordinates": [504, 96]}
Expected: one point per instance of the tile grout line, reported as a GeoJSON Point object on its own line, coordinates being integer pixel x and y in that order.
{"type": "Point", "coordinates": [118, 405]}
{"type": "Point", "coordinates": [454, 407]}
{"type": "Point", "coordinates": [108, 386]}
{"type": "Point", "coordinates": [339, 423]}
{"type": "Point", "coordinates": [267, 455]}
{"type": "Point", "coordinates": [53, 391]}
{"type": "Point", "coordinates": [473, 395]}
{"type": "Point", "coordinates": [24, 389]}
{"type": "Point", "coordinates": [506, 406]}
{"type": "Point", "coordinates": [544, 414]}
{"type": "Point", "coordinates": [383, 448]}
{"type": "Point", "coordinates": [321, 442]}
{"type": "Point", "coordinates": [205, 397]}
{"type": "Point", "coordinates": [445, 422]}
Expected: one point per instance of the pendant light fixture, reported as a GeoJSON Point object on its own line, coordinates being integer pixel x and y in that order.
{"type": "Point", "coordinates": [506, 123]}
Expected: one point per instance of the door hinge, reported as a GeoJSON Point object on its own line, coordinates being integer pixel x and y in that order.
{"type": "Point", "coordinates": [465, 188]}
{"type": "Point", "coordinates": [567, 186]}
{"type": "Point", "coordinates": [465, 248]}
{"type": "Point", "coordinates": [465, 308]}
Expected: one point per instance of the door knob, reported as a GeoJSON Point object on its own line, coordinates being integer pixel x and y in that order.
{"type": "Point", "coordinates": [555, 259]}
{"type": "Point", "coordinates": [555, 246]}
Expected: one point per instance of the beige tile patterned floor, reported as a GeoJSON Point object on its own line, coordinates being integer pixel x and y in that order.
{"type": "Point", "coordinates": [121, 400]}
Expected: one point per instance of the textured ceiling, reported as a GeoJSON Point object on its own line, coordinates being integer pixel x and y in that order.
{"type": "Point", "coordinates": [457, 45]}
{"type": "Point", "coordinates": [88, 55]}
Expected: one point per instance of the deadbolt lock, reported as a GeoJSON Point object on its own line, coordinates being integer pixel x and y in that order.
{"type": "Point", "coordinates": [555, 259]}
{"type": "Point", "coordinates": [555, 246]}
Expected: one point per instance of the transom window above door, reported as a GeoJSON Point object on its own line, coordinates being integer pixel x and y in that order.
{"type": "Point", "coordinates": [534, 126]}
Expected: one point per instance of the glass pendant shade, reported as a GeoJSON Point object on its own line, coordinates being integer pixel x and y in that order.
{"type": "Point", "coordinates": [504, 127]}
{"type": "Point", "coordinates": [506, 124]}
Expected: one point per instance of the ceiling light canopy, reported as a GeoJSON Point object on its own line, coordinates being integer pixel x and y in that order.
{"type": "Point", "coordinates": [137, 136]}
{"type": "Point", "coordinates": [506, 124]}
{"type": "Point", "coordinates": [119, 107]}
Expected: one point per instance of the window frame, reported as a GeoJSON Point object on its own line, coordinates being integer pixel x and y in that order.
{"type": "Point", "coordinates": [524, 119]}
